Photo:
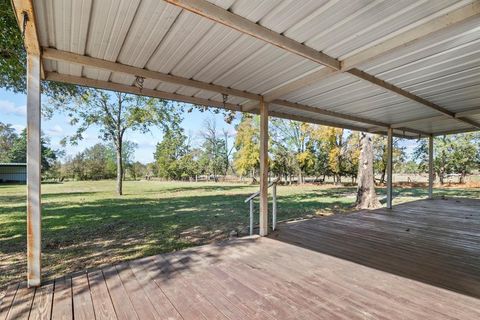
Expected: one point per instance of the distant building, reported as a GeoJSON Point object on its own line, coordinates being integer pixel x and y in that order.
{"type": "Point", "coordinates": [13, 172]}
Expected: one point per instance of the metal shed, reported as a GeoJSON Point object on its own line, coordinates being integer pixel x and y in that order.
{"type": "Point", "coordinates": [13, 172]}
{"type": "Point", "coordinates": [407, 68]}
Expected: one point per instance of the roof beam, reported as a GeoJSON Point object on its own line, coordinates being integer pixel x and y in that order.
{"type": "Point", "coordinates": [92, 83]}
{"type": "Point", "coordinates": [365, 76]}
{"type": "Point", "coordinates": [467, 113]}
{"type": "Point", "coordinates": [329, 113]}
{"type": "Point", "coordinates": [417, 121]}
{"type": "Point", "coordinates": [315, 121]}
{"type": "Point", "coordinates": [458, 115]}
{"type": "Point", "coordinates": [343, 116]}
{"type": "Point", "coordinates": [24, 10]}
{"type": "Point", "coordinates": [453, 132]}
{"type": "Point", "coordinates": [382, 130]}
{"type": "Point", "coordinates": [406, 38]}
{"type": "Point", "coordinates": [99, 84]}
{"type": "Point", "coordinates": [390, 87]}
{"type": "Point", "coordinates": [57, 55]}
{"type": "Point", "coordinates": [414, 35]}
{"type": "Point", "coordinates": [220, 15]}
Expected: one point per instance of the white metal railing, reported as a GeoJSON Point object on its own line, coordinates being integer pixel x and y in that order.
{"type": "Point", "coordinates": [274, 205]}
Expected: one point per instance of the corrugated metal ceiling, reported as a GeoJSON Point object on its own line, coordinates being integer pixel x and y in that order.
{"type": "Point", "coordinates": [443, 67]}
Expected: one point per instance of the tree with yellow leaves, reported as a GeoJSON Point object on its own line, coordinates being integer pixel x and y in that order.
{"type": "Point", "coordinates": [334, 140]}
{"type": "Point", "coordinates": [246, 158]}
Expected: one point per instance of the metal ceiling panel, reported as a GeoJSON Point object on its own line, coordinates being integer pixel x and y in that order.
{"type": "Point", "coordinates": [443, 67]}
{"type": "Point", "coordinates": [152, 21]}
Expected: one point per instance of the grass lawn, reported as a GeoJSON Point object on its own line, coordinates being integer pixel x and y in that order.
{"type": "Point", "coordinates": [86, 225]}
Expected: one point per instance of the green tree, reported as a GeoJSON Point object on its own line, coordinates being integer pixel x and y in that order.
{"type": "Point", "coordinates": [95, 161]}
{"type": "Point", "coordinates": [452, 154]}
{"type": "Point", "coordinates": [114, 114]}
{"type": "Point", "coordinates": [137, 170]}
{"type": "Point", "coordinates": [168, 152]}
{"type": "Point", "coordinates": [8, 136]}
{"type": "Point", "coordinates": [380, 155]}
{"type": "Point", "coordinates": [464, 154]}
{"type": "Point", "coordinates": [18, 152]}
{"type": "Point", "coordinates": [294, 138]}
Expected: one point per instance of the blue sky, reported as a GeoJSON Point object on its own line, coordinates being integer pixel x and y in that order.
{"type": "Point", "coordinates": [13, 111]}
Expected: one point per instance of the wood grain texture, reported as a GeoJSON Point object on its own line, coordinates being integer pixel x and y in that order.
{"type": "Point", "coordinates": [42, 303]}
{"type": "Point", "coordinates": [82, 298]}
{"type": "Point", "coordinates": [417, 261]}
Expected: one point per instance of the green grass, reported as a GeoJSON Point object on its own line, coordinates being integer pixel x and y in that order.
{"type": "Point", "coordinates": [86, 225]}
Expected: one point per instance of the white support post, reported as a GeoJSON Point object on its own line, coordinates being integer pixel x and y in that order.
{"type": "Point", "coordinates": [251, 216]}
{"type": "Point", "coordinates": [274, 206]}
{"type": "Point", "coordinates": [33, 171]}
{"type": "Point", "coordinates": [263, 168]}
{"type": "Point", "coordinates": [430, 167]}
{"type": "Point", "coordinates": [389, 168]}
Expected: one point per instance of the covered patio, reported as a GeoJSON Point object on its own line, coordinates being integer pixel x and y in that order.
{"type": "Point", "coordinates": [417, 261]}
{"type": "Point", "coordinates": [400, 68]}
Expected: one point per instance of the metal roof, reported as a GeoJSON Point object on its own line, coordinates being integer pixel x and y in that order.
{"type": "Point", "coordinates": [412, 65]}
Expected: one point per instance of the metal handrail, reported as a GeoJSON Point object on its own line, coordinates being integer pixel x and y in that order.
{"type": "Point", "coordinates": [274, 205]}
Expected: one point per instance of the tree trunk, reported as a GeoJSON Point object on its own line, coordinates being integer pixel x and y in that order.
{"type": "Point", "coordinates": [382, 177]}
{"type": "Point", "coordinates": [366, 196]}
{"type": "Point", "coordinates": [119, 169]}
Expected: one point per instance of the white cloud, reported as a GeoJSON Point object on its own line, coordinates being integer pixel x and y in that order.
{"type": "Point", "coordinates": [18, 128]}
{"type": "Point", "coordinates": [9, 107]}
{"type": "Point", "coordinates": [55, 131]}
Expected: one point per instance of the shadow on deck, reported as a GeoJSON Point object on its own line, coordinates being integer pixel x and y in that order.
{"type": "Point", "coordinates": [418, 261]}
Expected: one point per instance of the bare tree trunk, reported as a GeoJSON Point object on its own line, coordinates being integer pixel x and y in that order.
{"type": "Point", "coordinates": [366, 196]}
{"type": "Point", "coordinates": [382, 177]}
{"type": "Point", "coordinates": [119, 169]}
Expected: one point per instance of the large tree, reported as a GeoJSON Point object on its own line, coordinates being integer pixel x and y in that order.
{"type": "Point", "coordinates": [116, 113]}
{"type": "Point", "coordinates": [334, 142]}
{"type": "Point", "coordinates": [366, 196]}
{"type": "Point", "coordinates": [453, 154]}
{"type": "Point", "coordinates": [168, 153]}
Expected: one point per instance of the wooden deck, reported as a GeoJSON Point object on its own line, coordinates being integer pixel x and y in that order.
{"type": "Point", "coordinates": [419, 261]}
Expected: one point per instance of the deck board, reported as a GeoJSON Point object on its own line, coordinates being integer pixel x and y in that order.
{"type": "Point", "coordinates": [82, 298]}
{"type": "Point", "coordinates": [418, 261]}
{"type": "Point", "coordinates": [42, 303]}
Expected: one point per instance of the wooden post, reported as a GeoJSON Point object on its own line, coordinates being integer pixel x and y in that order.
{"type": "Point", "coordinates": [430, 167]}
{"type": "Point", "coordinates": [389, 168]}
{"type": "Point", "coordinates": [263, 168]}
{"type": "Point", "coordinates": [33, 171]}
